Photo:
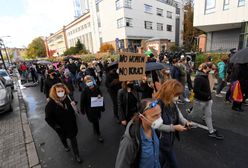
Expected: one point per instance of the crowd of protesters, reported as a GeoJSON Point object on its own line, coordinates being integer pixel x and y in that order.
{"type": "Point", "coordinates": [147, 108]}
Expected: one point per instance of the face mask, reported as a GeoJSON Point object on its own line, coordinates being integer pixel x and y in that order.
{"type": "Point", "coordinates": [157, 123]}
{"type": "Point", "coordinates": [60, 94]}
{"type": "Point", "coordinates": [149, 79]}
{"type": "Point", "coordinates": [117, 71]}
{"type": "Point", "coordinates": [175, 99]}
{"type": "Point", "coordinates": [89, 84]}
{"type": "Point", "coordinates": [167, 71]}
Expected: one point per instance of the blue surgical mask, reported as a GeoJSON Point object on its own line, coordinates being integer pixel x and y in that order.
{"type": "Point", "coordinates": [89, 84]}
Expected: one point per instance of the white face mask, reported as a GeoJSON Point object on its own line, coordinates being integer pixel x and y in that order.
{"type": "Point", "coordinates": [117, 71]}
{"type": "Point", "coordinates": [157, 123]}
{"type": "Point", "coordinates": [89, 84]}
{"type": "Point", "coordinates": [60, 94]}
{"type": "Point", "coordinates": [175, 99]}
{"type": "Point", "coordinates": [167, 71]}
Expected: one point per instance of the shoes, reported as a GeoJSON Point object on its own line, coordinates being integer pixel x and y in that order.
{"type": "Point", "coordinates": [237, 109]}
{"type": "Point", "coordinates": [245, 103]}
{"type": "Point", "coordinates": [187, 100]}
{"type": "Point", "coordinates": [218, 95]}
{"type": "Point", "coordinates": [180, 102]}
{"type": "Point", "coordinates": [100, 138]}
{"type": "Point", "coordinates": [188, 110]}
{"type": "Point", "coordinates": [216, 135]}
{"type": "Point", "coordinates": [78, 159]}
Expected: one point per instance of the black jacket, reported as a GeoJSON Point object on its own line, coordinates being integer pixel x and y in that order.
{"type": "Point", "coordinates": [93, 113]}
{"type": "Point", "coordinates": [202, 87]}
{"type": "Point", "coordinates": [122, 100]}
{"type": "Point", "coordinates": [61, 119]}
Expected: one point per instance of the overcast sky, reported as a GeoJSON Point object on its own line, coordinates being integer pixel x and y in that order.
{"type": "Point", "coordinates": [23, 20]}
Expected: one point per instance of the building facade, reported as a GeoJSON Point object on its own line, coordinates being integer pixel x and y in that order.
{"type": "Point", "coordinates": [125, 23]}
{"type": "Point", "coordinates": [128, 22]}
{"type": "Point", "coordinates": [224, 21]}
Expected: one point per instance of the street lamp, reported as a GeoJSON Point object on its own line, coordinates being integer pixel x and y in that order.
{"type": "Point", "coordinates": [2, 44]}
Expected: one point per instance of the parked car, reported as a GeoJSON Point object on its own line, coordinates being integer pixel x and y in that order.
{"type": "Point", "coordinates": [6, 97]}
{"type": "Point", "coordinates": [8, 79]}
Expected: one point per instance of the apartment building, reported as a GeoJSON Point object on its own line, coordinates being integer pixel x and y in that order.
{"type": "Point", "coordinates": [125, 23]}
{"type": "Point", "coordinates": [224, 21]}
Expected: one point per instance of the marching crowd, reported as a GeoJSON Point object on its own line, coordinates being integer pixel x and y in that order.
{"type": "Point", "coordinates": [147, 108]}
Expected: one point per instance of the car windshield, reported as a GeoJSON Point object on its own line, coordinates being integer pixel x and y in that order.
{"type": "Point", "coordinates": [3, 73]}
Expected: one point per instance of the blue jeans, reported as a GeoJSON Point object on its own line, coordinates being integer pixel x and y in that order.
{"type": "Point", "coordinates": [168, 159]}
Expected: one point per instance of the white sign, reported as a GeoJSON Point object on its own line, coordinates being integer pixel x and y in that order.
{"type": "Point", "coordinates": [96, 102]}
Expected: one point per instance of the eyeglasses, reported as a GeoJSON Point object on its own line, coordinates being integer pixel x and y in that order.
{"type": "Point", "coordinates": [151, 105]}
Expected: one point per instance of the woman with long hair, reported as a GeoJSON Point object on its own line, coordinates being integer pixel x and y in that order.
{"type": "Point", "coordinates": [61, 117]}
{"type": "Point", "coordinates": [168, 95]}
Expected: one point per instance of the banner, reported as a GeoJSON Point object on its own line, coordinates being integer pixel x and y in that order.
{"type": "Point", "coordinates": [132, 66]}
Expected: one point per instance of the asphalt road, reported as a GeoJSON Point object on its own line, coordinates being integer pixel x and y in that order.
{"type": "Point", "coordinates": [195, 149]}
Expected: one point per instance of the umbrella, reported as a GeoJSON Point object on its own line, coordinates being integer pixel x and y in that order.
{"type": "Point", "coordinates": [152, 66]}
{"type": "Point", "coordinates": [240, 57]}
{"type": "Point", "coordinates": [44, 62]}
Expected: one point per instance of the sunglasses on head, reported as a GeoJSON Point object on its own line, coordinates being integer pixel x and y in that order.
{"type": "Point", "coordinates": [151, 105]}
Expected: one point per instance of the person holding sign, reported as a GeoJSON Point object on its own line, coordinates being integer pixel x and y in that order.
{"type": "Point", "coordinates": [92, 105]}
{"type": "Point", "coordinates": [128, 99]}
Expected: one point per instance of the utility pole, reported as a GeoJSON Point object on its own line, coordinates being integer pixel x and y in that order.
{"type": "Point", "coordinates": [2, 59]}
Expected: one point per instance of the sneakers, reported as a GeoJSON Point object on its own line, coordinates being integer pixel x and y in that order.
{"type": "Point", "coordinates": [100, 138]}
{"type": "Point", "coordinates": [237, 109]}
{"type": "Point", "coordinates": [78, 159]}
{"type": "Point", "coordinates": [216, 135]}
{"type": "Point", "coordinates": [218, 95]}
{"type": "Point", "coordinates": [188, 110]}
{"type": "Point", "coordinates": [187, 100]}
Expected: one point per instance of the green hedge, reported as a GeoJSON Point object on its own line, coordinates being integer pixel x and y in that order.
{"type": "Point", "coordinates": [203, 57]}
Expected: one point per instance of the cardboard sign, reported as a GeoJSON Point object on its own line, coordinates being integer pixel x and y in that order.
{"type": "Point", "coordinates": [132, 66]}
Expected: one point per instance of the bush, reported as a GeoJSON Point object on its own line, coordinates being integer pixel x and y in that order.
{"type": "Point", "coordinates": [201, 58]}
{"type": "Point", "coordinates": [106, 48]}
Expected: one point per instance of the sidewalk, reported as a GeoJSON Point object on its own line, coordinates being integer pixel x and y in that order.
{"type": "Point", "coordinates": [17, 149]}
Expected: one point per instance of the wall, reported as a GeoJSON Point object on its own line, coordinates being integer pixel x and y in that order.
{"type": "Point", "coordinates": [235, 14]}
{"type": "Point", "coordinates": [223, 40]}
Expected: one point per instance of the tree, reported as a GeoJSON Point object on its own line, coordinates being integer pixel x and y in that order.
{"type": "Point", "coordinates": [106, 47]}
{"type": "Point", "coordinates": [36, 48]}
{"type": "Point", "coordinates": [78, 49]}
{"type": "Point", "coordinates": [190, 33]}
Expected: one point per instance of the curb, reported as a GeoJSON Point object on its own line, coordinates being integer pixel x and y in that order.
{"type": "Point", "coordinates": [33, 159]}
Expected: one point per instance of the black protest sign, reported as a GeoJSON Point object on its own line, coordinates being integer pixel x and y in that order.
{"type": "Point", "coordinates": [131, 66]}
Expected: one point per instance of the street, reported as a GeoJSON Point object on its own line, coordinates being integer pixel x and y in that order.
{"type": "Point", "coordinates": [195, 149]}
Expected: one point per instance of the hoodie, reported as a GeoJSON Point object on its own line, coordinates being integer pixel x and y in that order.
{"type": "Point", "coordinates": [202, 87]}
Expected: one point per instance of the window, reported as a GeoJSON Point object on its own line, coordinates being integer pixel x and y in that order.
{"type": "Point", "coordinates": [148, 25]}
{"type": "Point", "coordinates": [226, 5]}
{"type": "Point", "coordinates": [160, 26]}
{"type": "Point", "coordinates": [120, 23]}
{"type": "Point", "coordinates": [209, 6]}
{"type": "Point", "coordinates": [128, 4]}
{"type": "Point", "coordinates": [159, 12]}
{"type": "Point", "coordinates": [118, 4]}
{"type": "Point", "coordinates": [169, 14]}
{"type": "Point", "coordinates": [124, 22]}
{"type": "Point", "coordinates": [241, 3]}
{"type": "Point", "coordinates": [169, 28]}
{"type": "Point", "coordinates": [148, 8]}
{"type": "Point", "coordinates": [129, 22]}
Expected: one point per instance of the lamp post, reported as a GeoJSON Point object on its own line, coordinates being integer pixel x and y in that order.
{"type": "Point", "coordinates": [7, 54]}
